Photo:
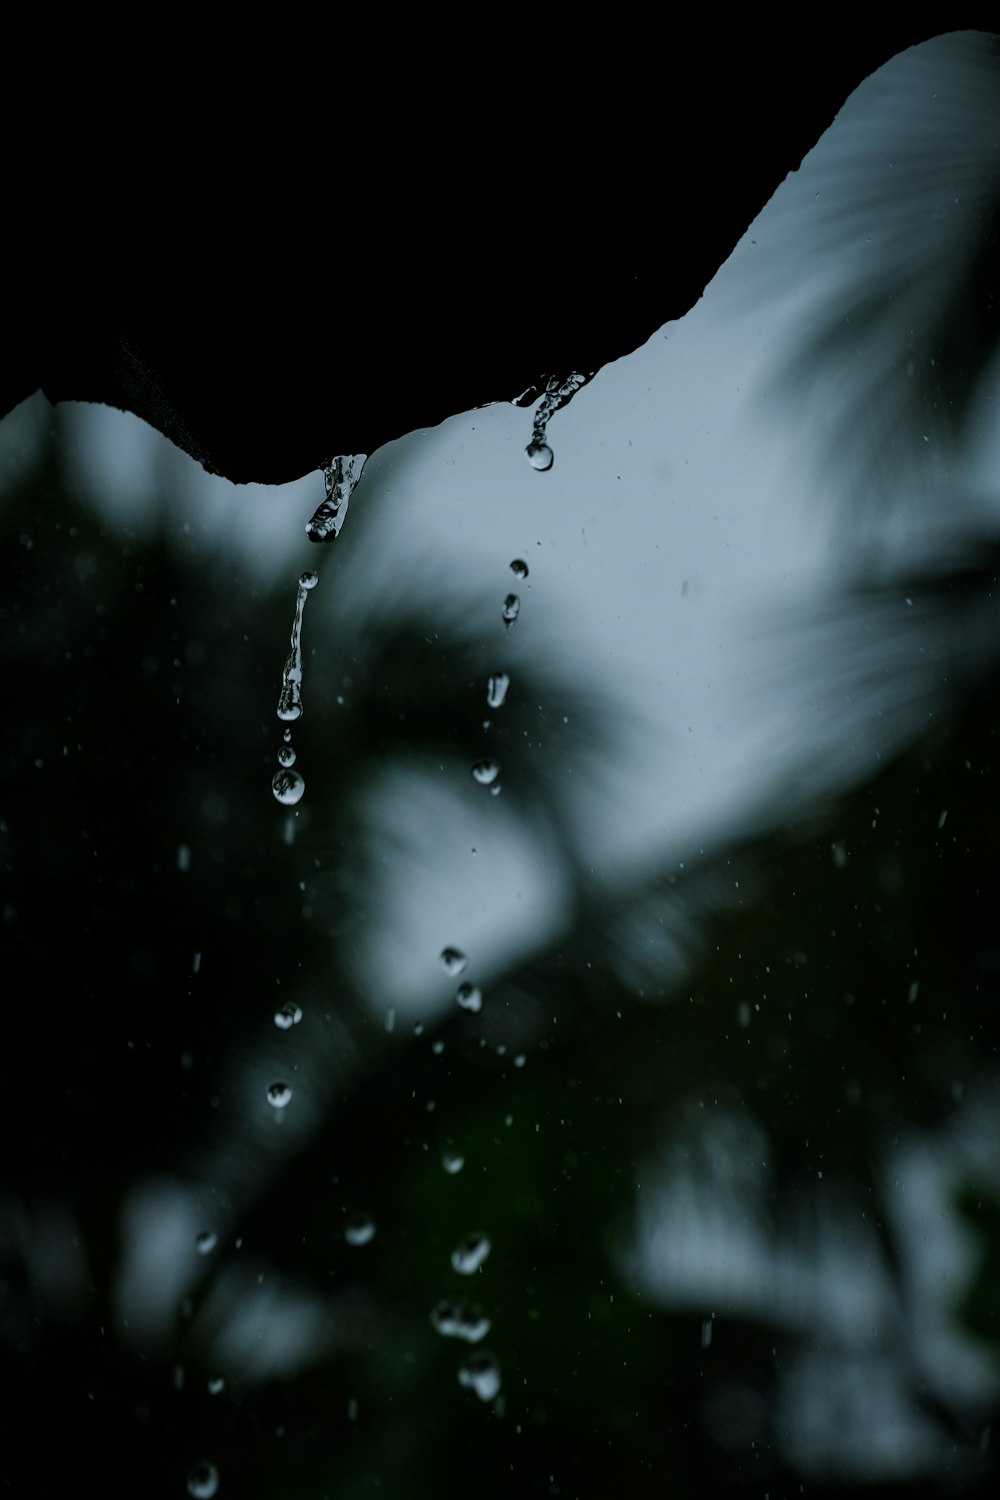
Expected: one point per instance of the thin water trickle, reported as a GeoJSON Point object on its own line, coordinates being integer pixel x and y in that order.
{"type": "Point", "coordinates": [511, 609]}
{"type": "Point", "coordinates": [558, 393]}
{"type": "Point", "coordinates": [290, 699]}
{"type": "Point", "coordinates": [340, 478]}
{"type": "Point", "coordinates": [496, 689]}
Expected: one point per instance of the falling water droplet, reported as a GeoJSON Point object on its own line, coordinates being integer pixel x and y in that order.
{"type": "Point", "coordinates": [286, 735]}
{"type": "Point", "coordinates": [207, 1241]}
{"type": "Point", "coordinates": [279, 1095]}
{"type": "Point", "coordinates": [340, 478]}
{"type": "Point", "coordinates": [288, 786]}
{"type": "Point", "coordinates": [359, 1229]}
{"type": "Point", "coordinates": [469, 996]}
{"type": "Point", "coordinates": [286, 755]}
{"type": "Point", "coordinates": [308, 580]}
{"type": "Point", "coordinates": [287, 1015]}
{"type": "Point", "coordinates": [540, 456]}
{"type": "Point", "coordinates": [203, 1481]}
{"type": "Point", "coordinates": [511, 609]}
{"type": "Point", "coordinates": [453, 961]}
{"type": "Point", "coordinates": [496, 689]}
{"type": "Point", "coordinates": [470, 1254]}
{"type": "Point", "coordinates": [453, 1162]}
{"type": "Point", "coordinates": [215, 1385]}
{"type": "Point", "coordinates": [557, 393]}
{"type": "Point", "coordinates": [486, 771]}
{"type": "Point", "coordinates": [519, 568]}
{"type": "Point", "coordinates": [457, 1320]}
{"type": "Point", "coordinates": [481, 1373]}
{"type": "Point", "coordinates": [290, 699]}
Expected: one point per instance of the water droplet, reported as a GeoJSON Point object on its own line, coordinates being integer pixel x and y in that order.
{"type": "Point", "coordinates": [290, 699]}
{"type": "Point", "coordinates": [540, 456]}
{"type": "Point", "coordinates": [453, 1162]}
{"type": "Point", "coordinates": [520, 1060]}
{"type": "Point", "coordinates": [496, 789]}
{"type": "Point", "coordinates": [558, 393]}
{"type": "Point", "coordinates": [339, 478]}
{"type": "Point", "coordinates": [481, 1373]}
{"type": "Point", "coordinates": [286, 735]}
{"type": "Point", "coordinates": [519, 568]}
{"type": "Point", "coordinates": [288, 786]}
{"type": "Point", "coordinates": [203, 1481]}
{"type": "Point", "coordinates": [486, 771]}
{"type": "Point", "coordinates": [470, 1254]}
{"type": "Point", "coordinates": [457, 1320]}
{"type": "Point", "coordinates": [215, 1385]}
{"type": "Point", "coordinates": [359, 1229]}
{"type": "Point", "coordinates": [469, 996]}
{"type": "Point", "coordinates": [287, 1015]}
{"type": "Point", "coordinates": [183, 858]}
{"type": "Point", "coordinates": [308, 580]}
{"type": "Point", "coordinates": [207, 1241]}
{"type": "Point", "coordinates": [511, 609]}
{"type": "Point", "coordinates": [496, 689]}
{"type": "Point", "coordinates": [286, 755]}
{"type": "Point", "coordinates": [279, 1095]}
{"type": "Point", "coordinates": [453, 961]}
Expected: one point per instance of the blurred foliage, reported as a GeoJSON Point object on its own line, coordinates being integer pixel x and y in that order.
{"type": "Point", "coordinates": [831, 986]}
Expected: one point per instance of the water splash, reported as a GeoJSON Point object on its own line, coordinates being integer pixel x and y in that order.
{"type": "Point", "coordinates": [496, 689]}
{"type": "Point", "coordinates": [290, 699]}
{"type": "Point", "coordinates": [340, 478]}
{"type": "Point", "coordinates": [481, 1374]}
{"type": "Point", "coordinates": [557, 393]}
{"type": "Point", "coordinates": [511, 609]}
